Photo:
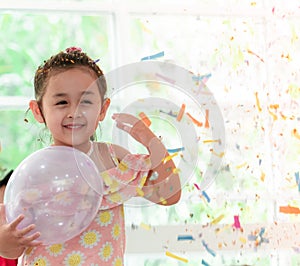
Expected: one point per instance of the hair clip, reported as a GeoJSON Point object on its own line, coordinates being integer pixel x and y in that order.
{"type": "Point", "coordinates": [73, 49]}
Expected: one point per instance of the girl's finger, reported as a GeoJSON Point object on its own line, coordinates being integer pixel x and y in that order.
{"type": "Point", "coordinates": [26, 230]}
{"type": "Point", "coordinates": [17, 221]}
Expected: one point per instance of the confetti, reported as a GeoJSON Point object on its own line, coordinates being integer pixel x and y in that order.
{"type": "Point", "coordinates": [295, 133]}
{"type": "Point", "coordinates": [145, 226]}
{"type": "Point", "coordinates": [140, 192]}
{"type": "Point", "coordinates": [297, 180]}
{"type": "Point", "coordinates": [169, 157]}
{"type": "Point", "coordinates": [169, 254]}
{"type": "Point", "coordinates": [206, 118]}
{"type": "Point", "coordinates": [185, 237]}
{"type": "Point", "coordinates": [210, 251]}
{"type": "Point", "coordinates": [181, 112]}
{"type": "Point", "coordinates": [250, 52]}
{"type": "Point", "coordinates": [206, 196]}
{"type": "Point", "coordinates": [155, 56]}
{"type": "Point", "coordinates": [203, 262]}
{"type": "Point", "coordinates": [194, 120]}
{"type": "Point", "coordinates": [218, 219]}
{"type": "Point", "coordinates": [168, 113]}
{"type": "Point", "coordinates": [165, 78]}
{"type": "Point", "coordinates": [289, 210]}
{"type": "Point", "coordinates": [145, 119]}
{"type": "Point", "coordinates": [175, 150]}
{"type": "Point", "coordinates": [236, 224]}
{"type": "Point", "coordinates": [257, 102]}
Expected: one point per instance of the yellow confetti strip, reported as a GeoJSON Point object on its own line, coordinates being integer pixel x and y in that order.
{"type": "Point", "coordinates": [241, 165]}
{"type": "Point", "coordinates": [211, 141]}
{"type": "Point", "coordinates": [140, 192]}
{"type": "Point", "coordinates": [169, 157]}
{"type": "Point", "coordinates": [176, 170]}
{"type": "Point", "coordinates": [243, 240]}
{"type": "Point", "coordinates": [169, 254]}
{"type": "Point", "coordinates": [162, 200]}
{"type": "Point", "coordinates": [218, 219]}
{"type": "Point", "coordinates": [145, 226]}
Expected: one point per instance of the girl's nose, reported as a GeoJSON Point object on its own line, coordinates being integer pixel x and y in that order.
{"type": "Point", "coordinates": [74, 112]}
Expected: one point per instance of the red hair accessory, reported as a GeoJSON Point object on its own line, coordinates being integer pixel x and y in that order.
{"type": "Point", "coordinates": [73, 49]}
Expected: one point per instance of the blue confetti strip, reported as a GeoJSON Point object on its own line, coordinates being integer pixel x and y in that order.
{"type": "Point", "coordinates": [185, 237]}
{"type": "Point", "coordinates": [297, 180]}
{"type": "Point", "coordinates": [175, 150]}
{"type": "Point", "coordinates": [155, 56]}
{"type": "Point", "coordinates": [208, 249]}
{"type": "Point", "coordinates": [203, 262]}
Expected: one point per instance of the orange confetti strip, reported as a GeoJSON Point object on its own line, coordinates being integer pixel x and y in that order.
{"type": "Point", "coordinates": [181, 112]}
{"type": "Point", "coordinates": [194, 120]}
{"type": "Point", "coordinates": [145, 119]}
{"type": "Point", "coordinates": [206, 125]}
{"type": "Point", "coordinates": [273, 115]}
{"type": "Point", "coordinates": [251, 52]}
{"type": "Point", "coordinates": [262, 176]}
{"type": "Point", "coordinates": [221, 154]}
{"type": "Point", "coordinates": [295, 133]}
{"type": "Point", "coordinates": [289, 209]}
{"type": "Point", "coordinates": [257, 102]}
{"type": "Point", "coordinates": [169, 254]}
{"type": "Point", "coordinates": [274, 106]}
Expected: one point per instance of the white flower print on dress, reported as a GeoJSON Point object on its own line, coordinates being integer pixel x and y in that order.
{"type": "Point", "coordinates": [106, 251]}
{"type": "Point", "coordinates": [90, 239]}
{"type": "Point", "coordinates": [118, 262]}
{"type": "Point", "coordinates": [55, 250]}
{"type": "Point", "coordinates": [116, 231]}
{"type": "Point", "coordinates": [75, 258]}
{"type": "Point", "coordinates": [105, 218]}
{"type": "Point", "coordinates": [40, 261]}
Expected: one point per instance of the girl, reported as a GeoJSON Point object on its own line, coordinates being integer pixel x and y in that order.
{"type": "Point", "coordinates": [70, 100]}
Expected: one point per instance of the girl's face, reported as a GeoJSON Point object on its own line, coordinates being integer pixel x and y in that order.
{"type": "Point", "coordinates": [71, 108]}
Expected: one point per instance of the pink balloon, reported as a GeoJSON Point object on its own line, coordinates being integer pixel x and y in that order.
{"type": "Point", "coordinates": [58, 189]}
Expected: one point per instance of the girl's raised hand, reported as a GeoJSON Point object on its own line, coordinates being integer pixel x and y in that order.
{"type": "Point", "coordinates": [135, 127]}
{"type": "Point", "coordinates": [14, 241]}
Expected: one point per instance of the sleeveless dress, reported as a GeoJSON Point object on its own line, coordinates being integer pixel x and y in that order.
{"type": "Point", "coordinates": [103, 242]}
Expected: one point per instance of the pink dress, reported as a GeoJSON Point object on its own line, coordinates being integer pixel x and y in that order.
{"type": "Point", "coordinates": [103, 242]}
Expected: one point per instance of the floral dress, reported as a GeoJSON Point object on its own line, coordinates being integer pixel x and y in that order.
{"type": "Point", "coordinates": [103, 242]}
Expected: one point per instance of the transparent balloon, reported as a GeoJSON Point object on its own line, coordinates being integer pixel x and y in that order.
{"type": "Point", "coordinates": [58, 189]}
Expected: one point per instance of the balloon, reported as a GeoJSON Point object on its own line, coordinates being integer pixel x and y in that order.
{"type": "Point", "coordinates": [58, 189]}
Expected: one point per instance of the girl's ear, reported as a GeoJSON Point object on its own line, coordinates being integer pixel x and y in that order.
{"type": "Point", "coordinates": [104, 108]}
{"type": "Point", "coordinates": [35, 109]}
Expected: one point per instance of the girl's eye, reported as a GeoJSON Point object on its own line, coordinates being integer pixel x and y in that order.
{"type": "Point", "coordinates": [86, 102]}
{"type": "Point", "coordinates": [61, 102]}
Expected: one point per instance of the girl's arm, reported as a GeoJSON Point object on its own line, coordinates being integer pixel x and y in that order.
{"type": "Point", "coordinates": [163, 183]}
{"type": "Point", "coordinates": [13, 241]}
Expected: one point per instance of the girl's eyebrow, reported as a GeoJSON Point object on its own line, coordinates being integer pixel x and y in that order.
{"type": "Point", "coordinates": [62, 94]}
